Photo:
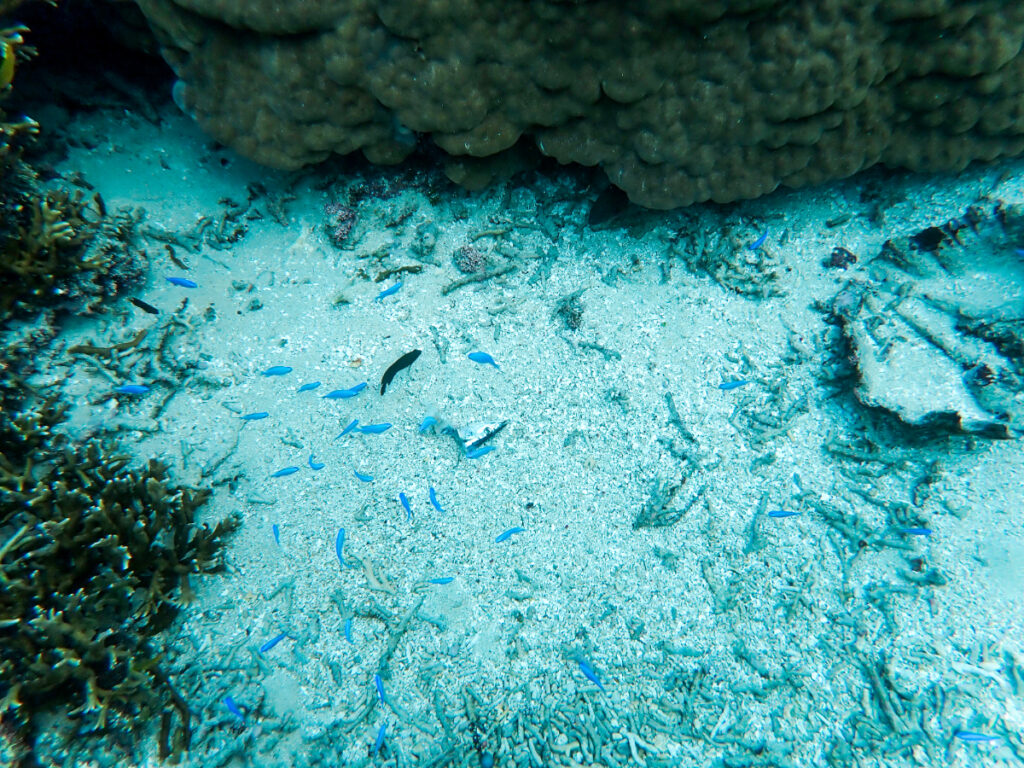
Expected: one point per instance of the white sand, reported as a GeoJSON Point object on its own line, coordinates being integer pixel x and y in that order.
{"type": "Point", "coordinates": [576, 464]}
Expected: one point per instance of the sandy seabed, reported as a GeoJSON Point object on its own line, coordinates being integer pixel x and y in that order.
{"type": "Point", "coordinates": [711, 634]}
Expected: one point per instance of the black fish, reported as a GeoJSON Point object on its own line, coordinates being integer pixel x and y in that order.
{"type": "Point", "coordinates": [144, 306]}
{"type": "Point", "coordinates": [403, 362]}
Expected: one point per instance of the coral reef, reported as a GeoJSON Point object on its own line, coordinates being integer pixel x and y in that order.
{"type": "Point", "coordinates": [677, 101]}
{"type": "Point", "coordinates": [469, 259]}
{"type": "Point", "coordinates": [95, 557]}
{"type": "Point", "coordinates": [339, 222]}
{"type": "Point", "coordinates": [57, 247]}
{"type": "Point", "coordinates": [95, 554]}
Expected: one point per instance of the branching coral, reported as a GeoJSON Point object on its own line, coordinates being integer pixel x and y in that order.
{"type": "Point", "coordinates": [48, 248]}
{"type": "Point", "coordinates": [95, 557]}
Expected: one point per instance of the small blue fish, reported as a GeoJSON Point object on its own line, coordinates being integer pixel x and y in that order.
{"type": "Point", "coordinates": [971, 736]}
{"type": "Point", "coordinates": [476, 453]}
{"type": "Point", "coordinates": [735, 384]}
{"type": "Point", "coordinates": [379, 685]}
{"type": "Point", "coordinates": [233, 708]}
{"type": "Point", "coordinates": [380, 738]}
{"type": "Point", "coordinates": [182, 282]}
{"type": "Point", "coordinates": [405, 503]}
{"type": "Point", "coordinates": [277, 370]}
{"type": "Point", "coordinates": [589, 674]}
{"type": "Point", "coordinates": [361, 477]}
{"type": "Point", "coordinates": [351, 425]}
{"type": "Point", "coordinates": [427, 423]}
{"type": "Point", "coordinates": [389, 291]}
{"type": "Point", "coordinates": [314, 465]}
{"type": "Point", "coordinates": [433, 499]}
{"type": "Point", "coordinates": [506, 535]}
{"type": "Point", "coordinates": [348, 630]}
{"type": "Point", "coordinates": [759, 242]}
{"type": "Point", "coordinates": [917, 531]}
{"type": "Point", "coordinates": [339, 543]}
{"type": "Point", "coordinates": [483, 358]}
{"type": "Point", "coordinates": [272, 642]}
{"type": "Point", "coordinates": [441, 581]}
{"type": "Point", "coordinates": [782, 513]}
{"type": "Point", "coordinates": [255, 416]}
{"type": "Point", "coordinates": [307, 387]}
{"type": "Point", "coordinates": [375, 429]}
{"type": "Point", "coordinates": [132, 389]}
{"type": "Point", "coordinates": [285, 472]}
{"type": "Point", "coordinates": [344, 394]}
{"type": "Point", "coordinates": [277, 533]}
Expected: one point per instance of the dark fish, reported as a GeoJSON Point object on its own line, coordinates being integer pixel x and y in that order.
{"type": "Point", "coordinates": [144, 306]}
{"type": "Point", "coordinates": [401, 363]}
{"type": "Point", "coordinates": [608, 205]}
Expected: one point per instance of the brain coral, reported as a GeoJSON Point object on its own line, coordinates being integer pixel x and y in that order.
{"type": "Point", "coordinates": [678, 101]}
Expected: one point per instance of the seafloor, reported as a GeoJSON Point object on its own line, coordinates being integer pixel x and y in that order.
{"type": "Point", "coordinates": [710, 632]}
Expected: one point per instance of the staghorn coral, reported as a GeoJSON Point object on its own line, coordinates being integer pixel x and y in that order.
{"type": "Point", "coordinates": [55, 245]}
{"type": "Point", "coordinates": [95, 555]}
{"type": "Point", "coordinates": [95, 558]}
{"type": "Point", "coordinates": [677, 101]}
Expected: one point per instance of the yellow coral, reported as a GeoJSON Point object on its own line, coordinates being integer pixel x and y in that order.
{"type": "Point", "coordinates": [10, 39]}
{"type": "Point", "coordinates": [7, 65]}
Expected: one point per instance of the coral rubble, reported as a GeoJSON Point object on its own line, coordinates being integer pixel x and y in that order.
{"type": "Point", "coordinates": [936, 323]}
